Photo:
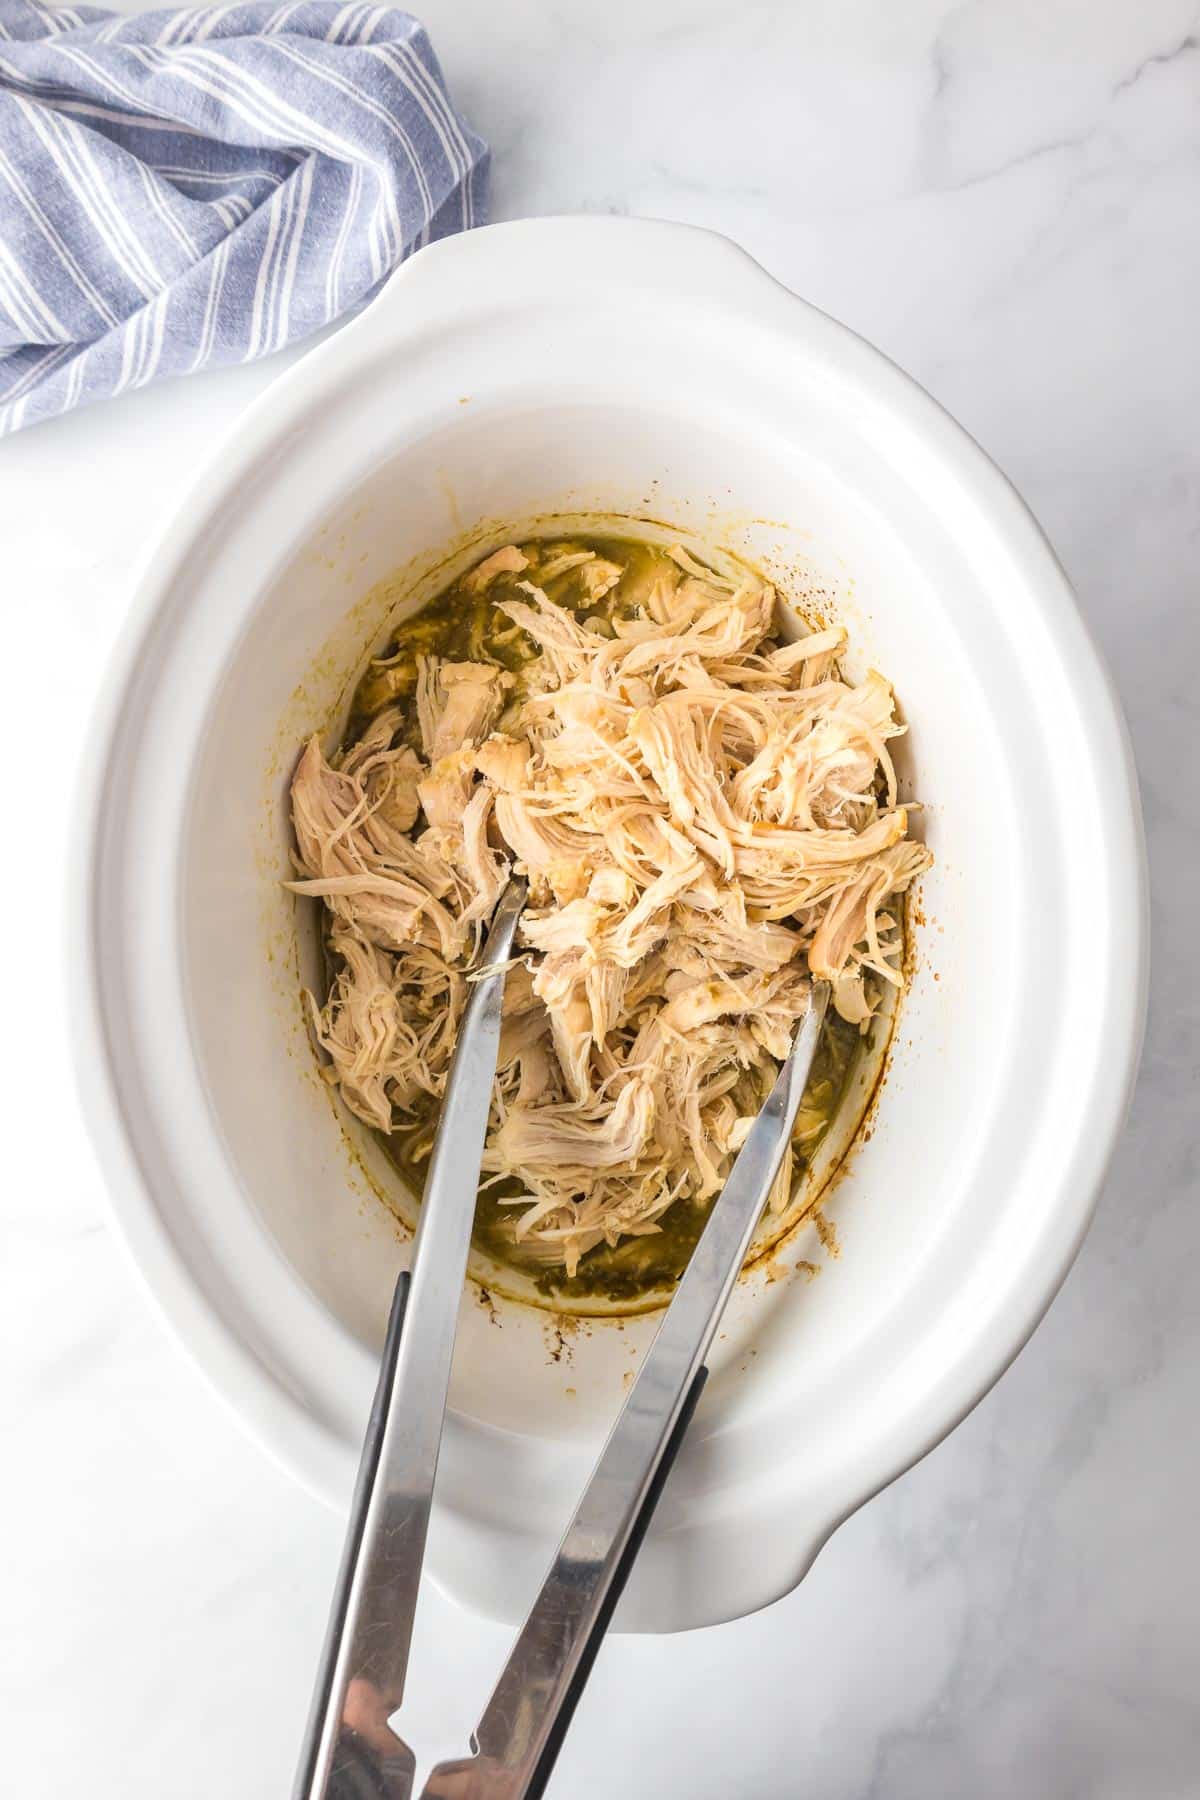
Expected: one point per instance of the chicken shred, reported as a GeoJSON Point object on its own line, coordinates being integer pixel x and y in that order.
{"type": "Point", "coordinates": [706, 817]}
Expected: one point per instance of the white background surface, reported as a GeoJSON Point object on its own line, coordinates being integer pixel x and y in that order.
{"type": "Point", "coordinates": [1005, 198]}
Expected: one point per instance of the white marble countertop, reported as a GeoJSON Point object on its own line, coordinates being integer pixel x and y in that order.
{"type": "Point", "coordinates": [1006, 198]}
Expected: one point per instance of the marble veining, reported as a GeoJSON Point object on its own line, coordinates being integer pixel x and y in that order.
{"type": "Point", "coordinates": [1005, 198]}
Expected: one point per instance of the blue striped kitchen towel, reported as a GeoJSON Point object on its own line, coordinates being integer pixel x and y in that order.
{"type": "Point", "coordinates": [189, 188]}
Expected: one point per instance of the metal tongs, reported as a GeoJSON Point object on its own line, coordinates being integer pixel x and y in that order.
{"type": "Point", "coordinates": [350, 1750]}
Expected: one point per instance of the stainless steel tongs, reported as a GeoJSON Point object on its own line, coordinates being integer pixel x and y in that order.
{"type": "Point", "coordinates": [350, 1751]}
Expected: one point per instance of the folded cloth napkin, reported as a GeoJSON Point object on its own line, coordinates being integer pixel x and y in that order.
{"type": "Point", "coordinates": [197, 187]}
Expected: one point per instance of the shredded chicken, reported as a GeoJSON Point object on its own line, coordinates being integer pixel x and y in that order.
{"type": "Point", "coordinates": [706, 817]}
